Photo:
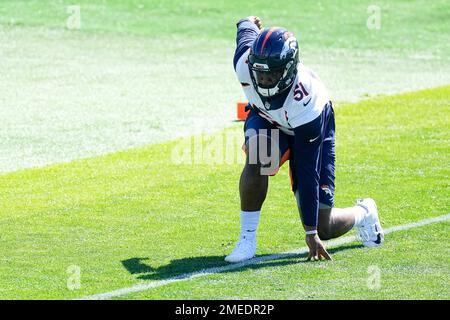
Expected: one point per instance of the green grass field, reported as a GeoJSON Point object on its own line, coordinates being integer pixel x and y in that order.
{"type": "Point", "coordinates": [91, 128]}
{"type": "Point", "coordinates": [106, 213]}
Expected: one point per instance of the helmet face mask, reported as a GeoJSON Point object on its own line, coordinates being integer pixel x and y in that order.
{"type": "Point", "coordinates": [273, 61]}
{"type": "Point", "coordinates": [268, 79]}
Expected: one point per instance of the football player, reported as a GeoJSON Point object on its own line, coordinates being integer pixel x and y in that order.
{"type": "Point", "coordinates": [291, 118]}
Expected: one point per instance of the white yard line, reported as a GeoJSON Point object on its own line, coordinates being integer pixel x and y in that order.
{"type": "Point", "coordinates": [209, 271]}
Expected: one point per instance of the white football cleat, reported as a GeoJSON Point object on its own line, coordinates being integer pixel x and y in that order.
{"type": "Point", "coordinates": [245, 249]}
{"type": "Point", "coordinates": [370, 231]}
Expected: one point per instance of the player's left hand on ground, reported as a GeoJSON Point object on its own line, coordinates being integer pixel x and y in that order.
{"type": "Point", "coordinates": [317, 250]}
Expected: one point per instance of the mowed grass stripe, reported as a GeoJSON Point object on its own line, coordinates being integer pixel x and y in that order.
{"type": "Point", "coordinates": [123, 79]}
{"type": "Point", "coordinates": [101, 212]}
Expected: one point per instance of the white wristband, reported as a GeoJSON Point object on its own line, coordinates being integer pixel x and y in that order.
{"type": "Point", "coordinates": [311, 232]}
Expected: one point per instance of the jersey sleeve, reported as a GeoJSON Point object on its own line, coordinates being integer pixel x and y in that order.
{"type": "Point", "coordinates": [307, 142]}
{"type": "Point", "coordinates": [247, 32]}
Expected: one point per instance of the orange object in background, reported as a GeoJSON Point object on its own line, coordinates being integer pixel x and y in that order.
{"type": "Point", "coordinates": [241, 113]}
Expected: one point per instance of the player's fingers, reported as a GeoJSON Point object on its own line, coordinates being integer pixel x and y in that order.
{"type": "Point", "coordinates": [312, 255]}
{"type": "Point", "coordinates": [315, 254]}
{"type": "Point", "coordinates": [258, 22]}
{"type": "Point", "coordinates": [325, 254]}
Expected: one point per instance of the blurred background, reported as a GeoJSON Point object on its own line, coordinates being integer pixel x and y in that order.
{"type": "Point", "coordinates": [82, 78]}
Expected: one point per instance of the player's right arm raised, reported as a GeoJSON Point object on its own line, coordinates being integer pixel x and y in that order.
{"type": "Point", "coordinates": [247, 31]}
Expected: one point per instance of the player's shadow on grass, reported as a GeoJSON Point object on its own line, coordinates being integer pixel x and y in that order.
{"type": "Point", "coordinates": [137, 266]}
{"type": "Point", "coordinates": [184, 268]}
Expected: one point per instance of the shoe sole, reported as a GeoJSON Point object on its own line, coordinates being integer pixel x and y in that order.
{"type": "Point", "coordinates": [237, 261]}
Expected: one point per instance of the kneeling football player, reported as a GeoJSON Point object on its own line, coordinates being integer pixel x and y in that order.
{"type": "Point", "coordinates": [291, 118]}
